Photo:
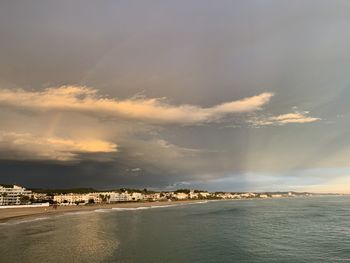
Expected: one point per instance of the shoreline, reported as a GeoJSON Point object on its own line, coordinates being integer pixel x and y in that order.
{"type": "Point", "coordinates": [9, 214]}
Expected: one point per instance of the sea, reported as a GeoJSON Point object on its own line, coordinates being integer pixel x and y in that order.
{"type": "Point", "coordinates": [302, 229]}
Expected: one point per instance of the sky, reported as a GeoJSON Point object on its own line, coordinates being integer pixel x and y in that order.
{"type": "Point", "coordinates": [218, 95]}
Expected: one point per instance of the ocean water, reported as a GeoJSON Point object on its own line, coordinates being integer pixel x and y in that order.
{"type": "Point", "coordinates": [315, 229]}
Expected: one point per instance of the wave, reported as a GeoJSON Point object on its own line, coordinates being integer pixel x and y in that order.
{"type": "Point", "coordinates": [201, 202]}
{"type": "Point", "coordinates": [100, 210]}
{"type": "Point", "coordinates": [21, 221]}
{"type": "Point", "coordinates": [103, 210]}
{"type": "Point", "coordinates": [130, 208]}
{"type": "Point", "coordinates": [77, 213]}
{"type": "Point", "coordinates": [141, 207]}
{"type": "Point", "coordinates": [154, 206]}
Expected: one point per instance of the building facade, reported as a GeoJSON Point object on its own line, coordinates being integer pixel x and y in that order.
{"type": "Point", "coordinates": [72, 198]}
{"type": "Point", "coordinates": [14, 195]}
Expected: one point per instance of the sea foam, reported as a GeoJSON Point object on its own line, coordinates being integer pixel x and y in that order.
{"type": "Point", "coordinates": [22, 221]}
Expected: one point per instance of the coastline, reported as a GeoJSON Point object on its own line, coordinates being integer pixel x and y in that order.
{"type": "Point", "coordinates": [8, 214]}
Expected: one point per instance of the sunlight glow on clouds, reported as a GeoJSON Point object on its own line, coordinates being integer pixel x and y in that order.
{"type": "Point", "coordinates": [296, 117]}
{"type": "Point", "coordinates": [152, 110]}
{"type": "Point", "coordinates": [338, 184]}
{"type": "Point", "coordinates": [99, 137]}
{"type": "Point", "coordinates": [27, 146]}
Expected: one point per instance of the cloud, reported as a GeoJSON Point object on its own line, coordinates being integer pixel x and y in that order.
{"type": "Point", "coordinates": [26, 146]}
{"type": "Point", "coordinates": [165, 144]}
{"type": "Point", "coordinates": [150, 110]}
{"type": "Point", "coordinates": [296, 117]}
{"type": "Point", "coordinates": [334, 180]}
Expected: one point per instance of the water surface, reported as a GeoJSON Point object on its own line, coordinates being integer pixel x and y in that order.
{"type": "Point", "coordinates": [315, 229]}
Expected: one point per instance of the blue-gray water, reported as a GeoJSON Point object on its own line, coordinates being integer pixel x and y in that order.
{"type": "Point", "coordinates": [313, 229]}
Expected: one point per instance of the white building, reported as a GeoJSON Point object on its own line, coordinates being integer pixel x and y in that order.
{"type": "Point", "coordinates": [181, 196]}
{"type": "Point", "coordinates": [125, 196]}
{"type": "Point", "coordinates": [108, 197]}
{"type": "Point", "coordinates": [152, 197]}
{"type": "Point", "coordinates": [204, 194]}
{"type": "Point", "coordinates": [276, 195]}
{"type": "Point", "coordinates": [264, 196]}
{"type": "Point", "coordinates": [72, 198]}
{"type": "Point", "coordinates": [193, 195]}
{"type": "Point", "coordinates": [136, 196]}
{"type": "Point", "coordinates": [13, 195]}
{"type": "Point", "coordinates": [248, 195]}
{"type": "Point", "coordinates": [41, 196]}
{"type": "Point", "coordinates": [119, 197]}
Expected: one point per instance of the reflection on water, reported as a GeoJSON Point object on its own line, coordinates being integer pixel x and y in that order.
{"type": "Point", "coordinates": [283, 230]}
{"type": "Point", "coordinates": [91, 240]}
{"type": "Point", "coordinates": [73, 238]}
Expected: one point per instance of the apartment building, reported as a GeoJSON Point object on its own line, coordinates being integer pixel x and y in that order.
{"type": "Point", "coordinates": [14, 195]}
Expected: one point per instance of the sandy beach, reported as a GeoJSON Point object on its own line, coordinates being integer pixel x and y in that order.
{"type": "Point", "coordinates": [19, 213]}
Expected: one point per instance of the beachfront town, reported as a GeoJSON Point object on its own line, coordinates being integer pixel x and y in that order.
{"type": "Point", "coordinates": [13, 195]}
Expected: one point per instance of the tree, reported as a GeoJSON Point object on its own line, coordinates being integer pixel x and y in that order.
{"type": "Point", "coordinates": [24, 199]}
{"type": "Point", "coordinates": [102, 197]}
{"type": "Point", "coordinates": [186, 191]}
